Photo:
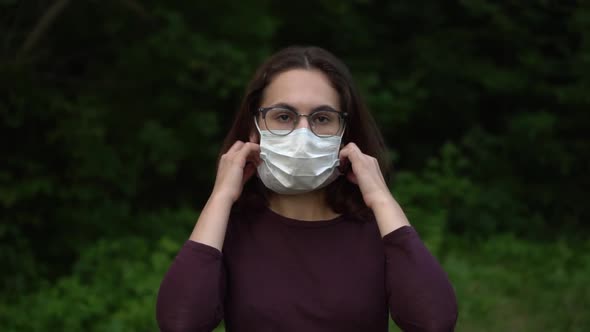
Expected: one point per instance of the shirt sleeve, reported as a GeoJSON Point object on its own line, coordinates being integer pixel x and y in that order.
{"type": "Point", "coordinates": [420, 295]}
{"type": "Point", "coordinates": [191, 294]}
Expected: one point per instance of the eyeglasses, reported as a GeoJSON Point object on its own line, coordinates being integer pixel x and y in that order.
{"type": "Point", "coordinates": [282, 121]}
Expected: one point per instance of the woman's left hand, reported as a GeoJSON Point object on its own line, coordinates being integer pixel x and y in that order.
{"type": "Point", "coordinates": [366, 173]}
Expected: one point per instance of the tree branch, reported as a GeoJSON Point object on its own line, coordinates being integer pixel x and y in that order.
{"type": "Point", "coordinates": [42, 26]}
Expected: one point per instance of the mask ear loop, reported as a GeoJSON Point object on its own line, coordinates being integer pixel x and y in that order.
{"type": "Point", "coordinates": [343, 130]}
{"type": "Point", "coordinates": [259, 134]}
{"type": "Point", "coordinates": [257, 127]}
{"type": "Point", "coordinates": [347, 167]}
{"type": "Point", "coordinates": [342, 135]}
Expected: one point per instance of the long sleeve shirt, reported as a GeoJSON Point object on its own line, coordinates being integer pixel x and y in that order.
{"type": "Point", "coordinates": [282, 274]}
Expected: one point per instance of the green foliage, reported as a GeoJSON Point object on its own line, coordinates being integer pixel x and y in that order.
{"type": "Point", "coordinates": [112, 287]}
{"type": "Point", "coordinates": [430, 197]}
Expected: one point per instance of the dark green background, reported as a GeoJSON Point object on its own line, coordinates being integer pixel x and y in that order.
{"type": "Point", "coordinates": [112, 114]}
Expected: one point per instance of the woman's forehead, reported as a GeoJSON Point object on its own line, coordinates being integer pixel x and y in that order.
{"type": "Point", "coordinates": [301, 88]}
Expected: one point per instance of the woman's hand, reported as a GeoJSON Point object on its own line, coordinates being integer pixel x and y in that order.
{"type": "Point", "coordinates": [365, 172]}
{"type": "Point", "coordinates": [236, 166]}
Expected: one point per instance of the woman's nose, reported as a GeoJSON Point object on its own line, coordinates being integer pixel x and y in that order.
{"type": "Point", "coordinates": [303, 122]}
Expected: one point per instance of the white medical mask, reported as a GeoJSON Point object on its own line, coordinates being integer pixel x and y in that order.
{"type": "Point", "coordinates": [299, 162]}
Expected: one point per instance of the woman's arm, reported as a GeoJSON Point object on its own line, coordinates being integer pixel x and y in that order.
{"type": "Point", "coordinates": [235, 168]}
{"type": "Point", "coordinates": [192, 292]}
{"type": "Point", "coordinates": [212, 224]}
{"type": "Point", "coordinates": [366, 173]}
{"type": "Point", "coordinates": [191, 295]}
{"type": "Point", "coordinates": [420, 295]}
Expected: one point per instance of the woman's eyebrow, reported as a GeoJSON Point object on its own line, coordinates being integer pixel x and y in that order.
{"type": "Point", "coordinates": [284, 105]}
{"type": "Point", "coordinates": [324, 108]}
{"type": "Point", "coordinates": [293, 108]}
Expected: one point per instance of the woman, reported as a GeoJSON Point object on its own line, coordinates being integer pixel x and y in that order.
{"type": "Point", "coordinates": [301, 232]}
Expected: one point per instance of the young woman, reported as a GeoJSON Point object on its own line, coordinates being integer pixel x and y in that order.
{"type": "Point", "coordinates": [301, 232]}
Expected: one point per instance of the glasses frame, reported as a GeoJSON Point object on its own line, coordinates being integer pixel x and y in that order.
{"type": "Point", "coordinates": [342, 115]}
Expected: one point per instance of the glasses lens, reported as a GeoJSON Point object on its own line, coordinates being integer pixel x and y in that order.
{"type": "Point", "coordinates": [326, 123]}
{"type": "Point", "coordinates": [280, 121]}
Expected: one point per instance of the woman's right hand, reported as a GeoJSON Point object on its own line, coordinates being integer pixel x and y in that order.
{"type": "Point", "coordinates": [236, 166]}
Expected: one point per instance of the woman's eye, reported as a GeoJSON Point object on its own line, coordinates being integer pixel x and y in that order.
{"type": "Point", "coordinates": [284, 117]}
{"type": "Point", "coordinates": [323, 119]}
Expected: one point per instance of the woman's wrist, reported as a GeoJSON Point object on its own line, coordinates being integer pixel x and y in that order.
{"type": "Point", "coordinates": [389, 214]}
{"type": "Point", "coordinates": [212, 224]}
{"type": "Point", "coordinates": [219, 199]}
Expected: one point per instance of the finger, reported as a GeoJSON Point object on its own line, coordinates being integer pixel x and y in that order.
{"type": "Point", "coordinates": [352, 157]}
{"type": "Point", "coordinates": [350, 152]}
{"type": "Point", "coordinates": [235, 147]}
{"type": "Point", "coordinates": [350, 148]}
{"type": "Point", "coordinates": [250, 151]}
{"type": "Point", "coordinates": [254, 155]}
{"type": "Point", "coordinates": [345, 163]}
{"type": "Point", "coordinates": [343, 155]}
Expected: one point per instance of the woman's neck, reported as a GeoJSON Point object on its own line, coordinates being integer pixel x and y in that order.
{"type": "Point", "coordinates": [310, 206]}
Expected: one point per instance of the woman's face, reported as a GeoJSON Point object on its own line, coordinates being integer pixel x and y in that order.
{"type": "Point", "coordinates": [302, 90]}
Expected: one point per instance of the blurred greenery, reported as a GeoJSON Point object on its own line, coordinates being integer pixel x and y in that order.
{"type": "Point", "coordinates": [112, 114]}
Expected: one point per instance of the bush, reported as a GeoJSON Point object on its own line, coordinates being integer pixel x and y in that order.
{"type": "Point", "coordinates": [112, 287]}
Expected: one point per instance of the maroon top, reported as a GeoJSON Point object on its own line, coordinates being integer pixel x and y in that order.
{"type": "Point", "coordinates": [281, 274]}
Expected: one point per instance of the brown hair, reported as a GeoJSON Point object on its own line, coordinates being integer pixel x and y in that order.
{"type": "Point", "coordinates": [342, 196]}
